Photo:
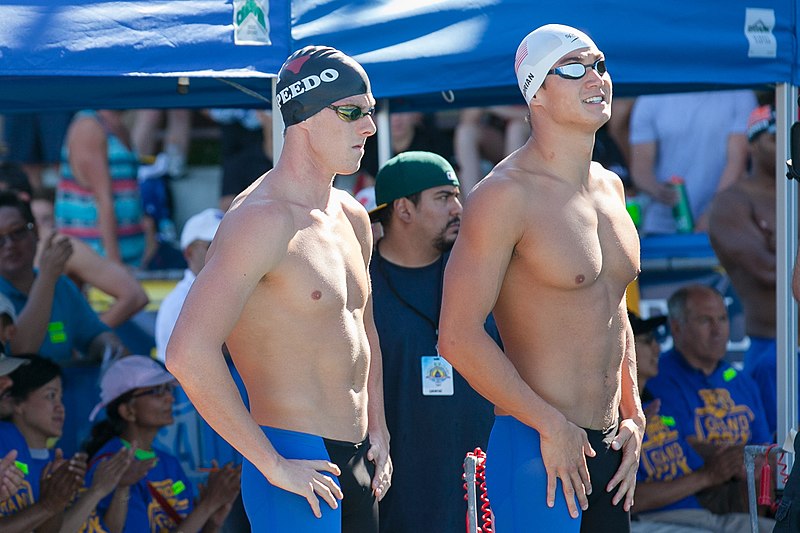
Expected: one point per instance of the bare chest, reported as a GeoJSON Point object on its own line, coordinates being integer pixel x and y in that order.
{"type": "Point", "coordinates": [578, 241]}
{"type": "Point", "coordinates": [323, 270]}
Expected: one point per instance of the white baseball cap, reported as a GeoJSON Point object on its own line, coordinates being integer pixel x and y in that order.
{"type": "Point", "coordinates": [126, 374]}
{"type": "Point", "coordinates": [201, 227]}
{"type": "Point", "coordinates": [9, 364]}
{"type": "Point", "coordinates": [540, 50]}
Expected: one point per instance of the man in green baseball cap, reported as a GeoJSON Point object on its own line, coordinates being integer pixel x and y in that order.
{"type": "Point", "coordinates": [425, 399]}
{"type": "Point", "coordinates": [406, 175]}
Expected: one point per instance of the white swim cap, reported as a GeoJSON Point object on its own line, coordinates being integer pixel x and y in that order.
{"type": "Point", "coordinates": [539, 51]}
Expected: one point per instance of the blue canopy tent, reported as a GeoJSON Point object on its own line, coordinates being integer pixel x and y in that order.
{"type": "Point", "coordinates": [74, 54]}
{"type": "Point", "coordinates": [421, 53]}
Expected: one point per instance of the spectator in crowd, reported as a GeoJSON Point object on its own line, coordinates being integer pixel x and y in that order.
{"type": "Point", "coordinates": [144, 136]}
{"type": "Point", "coordinates": [245, 149]}
{"type": "Point", "coordinates": [196, 237]}
{"type": "Point", "coordinates": [671, 474]}
{"type": "Point", "coordinates": [10, 476]}
{"type": "Point", "coordinates": [38, 417]}
{"type": "Point", "coordinates": [98, 197]}
{"type": "Point", "coordinates": [53, 317]}
{"type": "Point", "coordinates": [699, 137]}
{"type": "Point", "coordinates": [87, 268]}
{"type": "Point", "coordinates": [84, 266]}
{"type": "Point", "coordinates": [487, 134]}
{"type": "Point", "coordinates": [34, 141]}
{"type": "Point", "coordinates": [425, 399]}
{"type": "Point", "coordinates": [136, 394]}
{"type": "Point", "coordinates": [742, 232]}
{"type": "Point", "coordinates": [714, 406]}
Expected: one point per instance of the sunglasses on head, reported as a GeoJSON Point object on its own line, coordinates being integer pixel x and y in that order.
{"type": "Point", "coordinates": [350, 112]}
{"type": "Point", "coordinates": [575, 71]}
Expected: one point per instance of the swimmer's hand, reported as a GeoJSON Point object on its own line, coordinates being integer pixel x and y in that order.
{"type": "Point", "coordinates": [564, 449]}
{"type": "Point", "coordinates": [306, 479]}
{"type": "Point", "coordinates": [629, 440]}
{"type": "Point", "coordinates": [378, 453]}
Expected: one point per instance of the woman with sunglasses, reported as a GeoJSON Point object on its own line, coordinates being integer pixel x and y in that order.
{"type": "Point", "coordinates": [136, 393]}
{"type": "Point", "coordinates": [51, 483]}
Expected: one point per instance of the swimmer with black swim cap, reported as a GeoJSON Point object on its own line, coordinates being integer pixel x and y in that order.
{"type": "Point", "coordinates": [314, 78]}
{"type": "Point", "coordinates": [287, 272]}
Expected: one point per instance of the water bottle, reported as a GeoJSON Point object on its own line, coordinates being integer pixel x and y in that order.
{"type": "Point", "coordinates": [682, 210]}
{"type": "Point", "coordinates": [634, 208]}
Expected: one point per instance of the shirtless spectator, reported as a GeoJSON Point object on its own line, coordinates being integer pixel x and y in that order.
{"type": "Point", "coordinates": [286, 287]}
{"type": "Point", "coordinates": [742, 232]}
{"type": "Point", "coordinates": [547, 246]}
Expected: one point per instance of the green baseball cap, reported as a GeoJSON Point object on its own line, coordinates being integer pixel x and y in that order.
{"type": "Point", "coordinates": [408, 173]}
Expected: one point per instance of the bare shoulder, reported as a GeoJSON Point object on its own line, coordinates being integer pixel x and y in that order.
{"type": "Point", "coordinates": [351, 207]}
{"type": "Point", "coordinates": [85, 129]}
{"type": "Point", "coordinates": [607, 178]}
{"type": "Point", "coordinates": [256, 230]}
{"type": "Point", "coordinates": [506, 188]}
{"type": "Point", "coordinates": [357, 215]}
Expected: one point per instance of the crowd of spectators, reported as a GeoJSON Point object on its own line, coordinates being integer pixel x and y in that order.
{"type": "Point", "coordinates": [75, 214]}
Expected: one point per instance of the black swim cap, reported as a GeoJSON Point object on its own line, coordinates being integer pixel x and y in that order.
{"type": "Point", "coordinates": [313, 78]}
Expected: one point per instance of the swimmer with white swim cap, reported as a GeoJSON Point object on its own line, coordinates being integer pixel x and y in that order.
{"type": "Point", "coordinates": [286, 288]}
{"type": "Point", "coordinates": [547, 246]}
{"type": "Point", "coordinates": [539, 51]}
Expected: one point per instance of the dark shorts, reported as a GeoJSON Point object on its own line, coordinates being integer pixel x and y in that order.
{"type": "Point", "coordinates": [272, 509]}
{"type": "Point", "coordinates": [516, 482]}
{"type": "Point", "coordinates": [36, 137]}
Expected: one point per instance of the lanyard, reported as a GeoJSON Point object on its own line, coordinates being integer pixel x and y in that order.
{"type": "Point", "coordinates": [434, 322]}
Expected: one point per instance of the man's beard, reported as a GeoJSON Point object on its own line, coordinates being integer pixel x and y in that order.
{"type": "Point", "coordinates": [443, 243]}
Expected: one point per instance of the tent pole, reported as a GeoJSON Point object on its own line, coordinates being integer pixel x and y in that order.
{"type": "Point", "coordinates": [786, 227]}
{"type": "Point", "coordinates": [277, 124]}
{"type": "Point", "coordinates": [384, 133]}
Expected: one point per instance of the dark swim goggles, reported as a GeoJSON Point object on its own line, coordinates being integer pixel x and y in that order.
{"type": "Point", "coordinates": [575, 71]}
{"type": "Point", "coordinates": [351, 113]}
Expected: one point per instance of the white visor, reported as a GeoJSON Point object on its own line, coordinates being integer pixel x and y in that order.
{"type": "Point", "coordinates": [540, 50]}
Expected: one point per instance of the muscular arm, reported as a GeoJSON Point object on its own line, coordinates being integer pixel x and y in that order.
{"type": "Point", "coordinates": [473, 278]}
{"type": "Point", "coordinates": [378, 432]}
{"type": "Point", "coordinates": [631, 430]}
{"type": "Point", "coordinates": [250, 242]}
{"type": "Point", "coordinates": [88, 159]}
{"type": "Point", "coordinates": [738, 240]}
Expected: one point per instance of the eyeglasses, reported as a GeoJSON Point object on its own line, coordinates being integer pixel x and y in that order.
{"type": "Point", "coordinates": [158, 390]}
{"type": "Point", "coordinates": [351, 113]}
{"type": "Point", "coordinates": [17, 234]}
{"type": "Point", "coordinates": [575, 71]}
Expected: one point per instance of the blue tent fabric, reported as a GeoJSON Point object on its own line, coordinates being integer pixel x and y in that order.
{"type": "Point", "coordinates": [70, 54]}
{"type": "Point", "coordinates": [414, 50]}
